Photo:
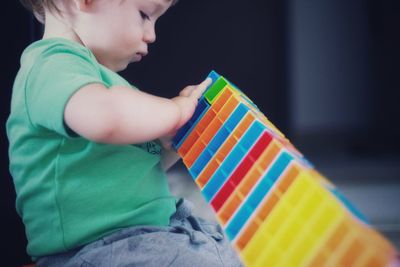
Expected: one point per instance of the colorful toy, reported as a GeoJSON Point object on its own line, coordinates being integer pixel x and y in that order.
{"type": "Point", "coordinates": [275, 208]}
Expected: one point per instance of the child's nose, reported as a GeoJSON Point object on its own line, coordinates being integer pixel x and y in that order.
{"type": "Point", "coordinates": [149, 35]}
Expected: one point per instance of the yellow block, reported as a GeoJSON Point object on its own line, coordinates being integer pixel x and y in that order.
{"type": "Point", "coordinates": [300, 222]}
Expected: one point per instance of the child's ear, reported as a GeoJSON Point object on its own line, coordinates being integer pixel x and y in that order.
{"type": "Point", "coordinates": [83, 5]}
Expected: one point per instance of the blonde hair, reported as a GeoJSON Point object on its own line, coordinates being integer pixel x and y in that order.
{"type": "Point", "coordinates": [38, 7]}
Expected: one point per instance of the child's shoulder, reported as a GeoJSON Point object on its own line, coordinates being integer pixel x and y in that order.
{"type": "Point", "coordinates": [48, 56]}
{"type": "Point", "coordinates": [44, 49]}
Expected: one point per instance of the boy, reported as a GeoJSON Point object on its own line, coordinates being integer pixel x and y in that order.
{"type": "Point", "coordinates": [87, 196]}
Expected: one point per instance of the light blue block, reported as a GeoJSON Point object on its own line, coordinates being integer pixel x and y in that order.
{"type": "Point", "coordinates": [233, 159]}
{"type": "Point", "coordinates": [257, 194]}
{"type": "Point", "coordinates": [217, 141]}
{"type": "Point", "coordinates": [202, 107]}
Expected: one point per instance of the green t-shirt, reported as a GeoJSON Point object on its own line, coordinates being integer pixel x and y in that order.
{"type": "Point", "coordinates": [71, 191]}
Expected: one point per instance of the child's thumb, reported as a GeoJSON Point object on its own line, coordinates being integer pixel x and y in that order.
{"type": "Point", "coordinates": [202, 87]}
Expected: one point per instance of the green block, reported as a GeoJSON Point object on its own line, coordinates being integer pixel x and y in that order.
{"type": "Point", "coordinates": [211, 94]}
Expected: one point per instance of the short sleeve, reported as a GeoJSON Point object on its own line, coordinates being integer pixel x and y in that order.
{"type": "Point", "coordinates": [53, 79]}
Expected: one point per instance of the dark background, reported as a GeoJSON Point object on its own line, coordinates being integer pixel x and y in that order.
{"type": "Point", "coordinates": [326, 72]}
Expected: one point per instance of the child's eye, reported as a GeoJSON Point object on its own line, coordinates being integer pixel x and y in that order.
{"type": "Point", "coordinates": [144, 15]}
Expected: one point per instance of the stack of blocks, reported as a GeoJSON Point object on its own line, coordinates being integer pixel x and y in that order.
{"type": "Point", "coordinates": [275, 208]}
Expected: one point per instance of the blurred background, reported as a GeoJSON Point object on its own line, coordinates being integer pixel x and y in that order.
{"type": "Point", "coordinates": [325, 72]}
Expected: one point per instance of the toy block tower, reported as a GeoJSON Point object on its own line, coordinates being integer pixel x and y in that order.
{"type": "Point", "coordinates": [275, 208]}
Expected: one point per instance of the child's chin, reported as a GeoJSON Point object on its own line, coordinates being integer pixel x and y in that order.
{"type": "Point", "coordinates": [136, 58]}
{"type": "Point", "coordinates": [121, 67]}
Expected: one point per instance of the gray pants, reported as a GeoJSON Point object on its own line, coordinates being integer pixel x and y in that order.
{"type": "Point", "coordinates": [187, 241]}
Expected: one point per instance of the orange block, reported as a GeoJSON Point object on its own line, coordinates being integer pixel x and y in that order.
{"type": "Point", "coordinates": [351, 242]}
{"type": "Point", "coordinates": [251, 178]}
{"type": "Point", "coordinates": [224, 150]}
{"type": "Point", "coordinates": [353, 253]}
{"type": "Point", "coordinates": [204, 139]}
{"type": "Point", "coordinates": [267, 205]}
{"type": "Point", "coordinates": [205, 121]}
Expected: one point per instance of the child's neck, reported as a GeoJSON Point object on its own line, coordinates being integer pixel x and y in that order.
{"type": "Point", "coordinates": [56, 28]}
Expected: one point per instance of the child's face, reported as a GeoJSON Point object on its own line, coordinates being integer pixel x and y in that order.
{"type": "Point", "coordinates": [119, 31]}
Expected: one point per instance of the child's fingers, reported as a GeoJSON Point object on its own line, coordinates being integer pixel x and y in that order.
{"type": "Point", "coordinates": [201, 88]}
{"type": "Point", "coordinates": [187, 91]}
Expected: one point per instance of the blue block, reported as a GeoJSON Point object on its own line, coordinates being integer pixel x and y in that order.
{"type": "Point", "coordinates": [218, 140]}
{"type": "Point", "coordinates": [349, 205]}
{"type": "Point", "coordinates": [233, 159]}
{"type": "Point", "coordinates": [185, 130]}
{"type": "Point", "coordinates": [214, 76]}
{"type": "Point", "coordinates": [200, 110]}
{"type": "Point", "coordinates": [257, 194]}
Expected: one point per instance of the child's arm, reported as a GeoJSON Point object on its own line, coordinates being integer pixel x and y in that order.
{"type": "Point", "coordinates": [120, 115]}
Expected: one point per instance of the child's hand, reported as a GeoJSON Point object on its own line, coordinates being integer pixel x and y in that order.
{"type": "Point", "coordinates": [188, 99]}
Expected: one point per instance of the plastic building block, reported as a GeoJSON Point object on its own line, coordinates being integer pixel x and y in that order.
{"type": "Point", "coordinates": [274, 206]}
{"type": "Point", "coordinates": [220, 137]}
{"type": "Point", "coordinates": [224, 150]}
{"type": "Point", "coordinates": [186, 129]}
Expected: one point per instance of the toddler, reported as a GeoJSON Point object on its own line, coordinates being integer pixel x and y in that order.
{"type": "Point", "coordinates": [86, 148]}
